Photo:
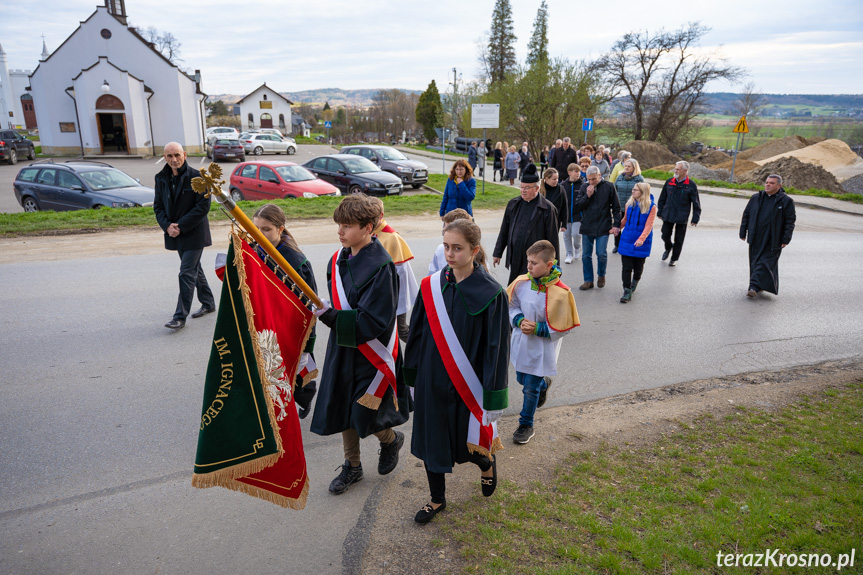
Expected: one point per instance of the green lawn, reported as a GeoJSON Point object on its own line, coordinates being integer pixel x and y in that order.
{"type": "Point", "coordinates": [751, 482]}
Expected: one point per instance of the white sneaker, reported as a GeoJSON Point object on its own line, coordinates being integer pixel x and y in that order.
{"type": "Point", "coordinates": [568, 259]}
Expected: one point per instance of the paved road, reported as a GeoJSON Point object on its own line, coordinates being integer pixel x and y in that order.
{"type": "Point", "coordinates": [99, 403]}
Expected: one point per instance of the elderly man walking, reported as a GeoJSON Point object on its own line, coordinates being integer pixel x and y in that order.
{"type": "Point", "coordinates": [182, 215]}
{"type": "Point", "coordinates": [563, 157]}
{"type": "Point", "coordinates": [767, 225]}
{"type": "Point", "coordinates": [679, 196]}
{"type": "Point", "coordinates": [600, 208]}
{"type": "Point", "coordinates": [527, 219]}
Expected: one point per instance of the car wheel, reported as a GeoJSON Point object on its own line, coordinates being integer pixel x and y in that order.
{"type": "Point", "coordinates": [416, 186]}
{"type": "Point", "coordinates": [291, 150]}
{"type": "Point", "coordinates": [31, 155]}
{"type": "Point", "coordinates": [242, 159]}
{"type": "Point", "coordinates": [208, 154]}
{"type": "Point", "coordinates": [30, 204]}
{"type": "Point", "coordinates": [13, 157]}
{"type": "Point", "coordinates": [258, 151]}
{"type": "Point", "coordinates": [236, 195]}
{"type": "Point", "coordinates": [290, 197]}
{"type": "Point", "coordinates": [98, 207]}
{"type": "Point", "coordinates": [355, 189]}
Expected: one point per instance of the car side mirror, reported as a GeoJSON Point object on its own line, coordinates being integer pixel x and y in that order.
{"type": "Point", "coordinates": [341, 172]}
{"type": "Point", "coordinates": [374, 159]}
{"type": "Point", "coordinates": [77, 188]}
{"type": "Point", "coordinates": [273, 180]}
{"type": "Point", "coordinates": [138, 180]}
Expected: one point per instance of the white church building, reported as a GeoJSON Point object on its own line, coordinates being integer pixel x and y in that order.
{"type": "Point", "coordinates": [16, 103]}
{"type": "Point", "coordinates": [265, 108]}
{"type": "Point", "coordinates": [106, 90]}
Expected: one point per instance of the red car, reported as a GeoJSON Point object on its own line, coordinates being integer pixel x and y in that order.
{"type": "Point", "coordinates": [270, 180]}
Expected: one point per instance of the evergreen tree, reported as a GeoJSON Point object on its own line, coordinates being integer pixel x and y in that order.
{"type": "Point", "coordinates": [537, 48]}
{"type": "Point", "coordinates": [429, 111]}
{"type": "Point", "coordinates": [499, 58]}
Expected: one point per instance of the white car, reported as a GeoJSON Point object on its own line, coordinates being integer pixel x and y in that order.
{"type": "Point", "coordinates": [222, 132]}
{"type": "Point", "coordinates": [258, 144]}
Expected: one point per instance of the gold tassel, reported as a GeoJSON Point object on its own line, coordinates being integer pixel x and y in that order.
{"type": "Point", "coordinates": [280, 500]}
{"type": "Point", "coordinates": [370, 401]}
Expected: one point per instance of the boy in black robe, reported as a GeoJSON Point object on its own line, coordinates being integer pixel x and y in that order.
{"type": "Point", "coordinates": [370, 283]}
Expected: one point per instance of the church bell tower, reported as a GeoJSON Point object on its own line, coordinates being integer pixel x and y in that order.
{"type": "Point", "coordinates": [117, 8]}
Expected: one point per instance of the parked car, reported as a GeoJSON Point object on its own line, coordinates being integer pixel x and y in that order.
{"type": "Point", "coordinates": [258, 144]}
{"type": "Point", "coordinates": [13, 146]}
{"type": "Point", "coordinates": [225, 149]}
{"type": "Point", "coordinates": [222, 132]}
{"type": "Point", "coordinates": [393, 161]}
{"type": "Point", "coordinates": [271, 180]}
{"type": "Point", "coordinates": [78, 185]}
{"type": "Point", "coordinates": [272, 131]}
{"type": "Point", "coordinates": [353, 174]}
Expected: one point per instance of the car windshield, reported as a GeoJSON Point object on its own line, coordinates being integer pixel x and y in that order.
{"type": "Point", "coordinates": [359, 165]}
{"type": "Point", "coordinates": [108, 179]}
{"type": "Point", "coordinates": [295, 174]}
{"type": "Point", "coordinates": [390, 154]}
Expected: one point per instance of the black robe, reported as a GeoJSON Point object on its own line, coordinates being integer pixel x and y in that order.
{"type": "Point", "coordinates": [371, 288]}
{"type": "Point", "coordinates": [479, 311]}
{"type": "Point", "coordinates": [525, 223]}
{"type": "Point", "coordinates": [767, 224]}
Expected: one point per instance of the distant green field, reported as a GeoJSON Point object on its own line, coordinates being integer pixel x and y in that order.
{"type": "Point", "coordinates": [723, 137]}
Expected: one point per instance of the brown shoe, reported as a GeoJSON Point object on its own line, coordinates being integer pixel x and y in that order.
{"type": "Point", "coordinates": [586, 286]}
{"type": "Point", "coordinates": [600, 283]}
{"type": "Point", "coordinates": [751, 293]}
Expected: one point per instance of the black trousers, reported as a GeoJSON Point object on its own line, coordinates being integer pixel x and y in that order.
{"type": "Point", "coordinates": [191, 278]}
{"type": "Point", "coordinates": [679, 234]}
{"type": "Point", "coordinates": [437, 481]}
{"type": "Point", "coordinates": [632, 268]}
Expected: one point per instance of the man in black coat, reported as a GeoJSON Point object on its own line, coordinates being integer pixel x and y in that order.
{"type": "Point", "coordinates": [679, 195]}
{"type": "Point", "coordinates": [526, 158]}
{"type": "Point", "coordinates": [182, 215]}
{"type": "Point", "coordinates": [600, 215]}
{"type": "Point", "coordinates": [767, 225]}
{"type": "Point", "coordinates": [563, 157]}
{"type": "Point", "coordinates": [527, 219]}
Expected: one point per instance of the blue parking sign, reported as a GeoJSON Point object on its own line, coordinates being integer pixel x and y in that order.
{"type": "Point", "coordinates": [587, 125]}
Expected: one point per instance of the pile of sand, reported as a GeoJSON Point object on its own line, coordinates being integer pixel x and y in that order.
{"type": "Point", "coordinates": [795, 174]}
{"type": "Point", "coordinates": [664, 168]}
{"type": "Point", "coordinates": [740, 166]}
{"type": "Point", "coordinates": [773, 148]}
{"type": "Point", "coordinates": [833, 155]}
{"type": "Point", "coordinates": [711, 158]}
{"type": "Point", "coordinates": [649, 154]}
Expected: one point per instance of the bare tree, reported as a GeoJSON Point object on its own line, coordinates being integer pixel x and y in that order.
{"type": "Point", "coordinates": [166, 43]}
{"type": "Point", "coordinates": [750, 104]}
{"type": "Point", "coordinates": [662, 78]}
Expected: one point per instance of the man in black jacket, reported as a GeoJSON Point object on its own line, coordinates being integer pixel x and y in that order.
{"type": "Point", "coordinates": [182, 215]}
{"type": "Point", "coordinates": [527, 219]}
{"type": "Point", "coordinates": [767, 225]}
{"type": "Point", "coordinates": [600, 214]}
{"type": "Point", "coordinates": [679, 195]}
{"type": "Point", "coordinates": [563, 157]}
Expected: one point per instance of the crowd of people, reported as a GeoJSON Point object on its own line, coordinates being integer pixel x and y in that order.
{"type": "Point", "coordinates": [465, 329]}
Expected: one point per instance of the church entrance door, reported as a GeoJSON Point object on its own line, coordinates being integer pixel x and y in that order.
{"type": "Point", "coordinates": [112, 133]}
{"type": "Point", "coordinates": [266, 121]}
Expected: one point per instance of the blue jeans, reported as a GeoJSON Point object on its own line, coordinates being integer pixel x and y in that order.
{"type": "Point", "coordinates": [587, 256]}
{"type": "Point", "coordinates": [532, 385]}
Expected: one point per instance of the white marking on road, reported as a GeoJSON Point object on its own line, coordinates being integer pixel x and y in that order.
{"type": "Point", "coordinates": [162, 159]}
{"type": "Point", "coordinates": [202, 159]}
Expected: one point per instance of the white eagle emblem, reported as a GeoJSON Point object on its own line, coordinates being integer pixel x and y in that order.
{"type": "Point", "coordinates": [279, 389]}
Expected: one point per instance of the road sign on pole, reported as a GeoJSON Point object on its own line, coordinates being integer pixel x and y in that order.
{"type": "Point", "coordinates": [328, 125]}
{"type": "Point", "coordinates": [742, 127]}
{"type": "Point", "coordinates": [586, 126]}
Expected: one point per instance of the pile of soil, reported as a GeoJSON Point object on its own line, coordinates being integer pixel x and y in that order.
{"type": "Point", "coordinates": [796, 174]}
{"type": "Point", "coordinates": [664, 168]}
{"type": "Point", "coordinates": [711, 158]}
{"type": "Point", "coordinates": [740, 167]}
{"type": "Point", "coordinates": [830, 154]}
{"type": "Point", "coordinates": [773, 148]}
{"type": "Point", "coordinates": [853, 185]}
{"type": "Point", "coordinates": [649, 154]}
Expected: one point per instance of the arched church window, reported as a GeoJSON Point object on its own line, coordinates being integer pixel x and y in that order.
{"type": "Point", "coordinates": [265, 97]}
{"type": "Point", "coordinates": [281, 120]}
{"type": "Point", "coordinates": [251, 120]}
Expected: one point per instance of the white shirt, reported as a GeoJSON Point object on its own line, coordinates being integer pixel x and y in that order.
{"type": "Point", "coordinates": [531, 353]}
{"type": "Point", "coordinates": [408, 287]}
{"type": "Point", "coordinates": [438, 260]}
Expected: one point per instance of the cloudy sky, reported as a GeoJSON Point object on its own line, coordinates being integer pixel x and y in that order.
{"type": "Point", "coordinates": [790, 46]}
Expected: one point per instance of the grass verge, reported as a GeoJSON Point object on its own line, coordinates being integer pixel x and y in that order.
{"type": "Point", "coordinates": [853, 198]}
{"type": "Point", "coordinates": [790, 480]}
{"type": "Point", "coordinates": [496, 196]}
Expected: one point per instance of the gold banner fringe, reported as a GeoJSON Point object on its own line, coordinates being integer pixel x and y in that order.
{"type": "Point", "coordinates": [496, 446]}
{"type": "Point", "coordinates": [370, 401]}
{"type": "Point", "coordinates": [280, 500]}
{"type": "Point", "coordinates": [309, 377]}
{"type": "Point", "coordinates": [227, 474]}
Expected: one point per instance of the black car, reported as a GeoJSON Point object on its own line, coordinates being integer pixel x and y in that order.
{"type": "Point", "coordinates": [225, 149]}
{"type": "Point", "coordinates": [353, 174]}
{"type": "Point", "coordinates": [13, 146]}
{"type": "Point", "coordinates": [78, 185]}
{"type": "Point", "coordinates": [410, 172]}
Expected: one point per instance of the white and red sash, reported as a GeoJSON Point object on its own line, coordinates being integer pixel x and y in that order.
{"type": "Point", "coordinates": [383, 358]}
{"type": "Point", "coordinates": [480, 438]}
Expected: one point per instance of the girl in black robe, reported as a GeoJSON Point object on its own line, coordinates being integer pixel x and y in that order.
{"type": "Point", "coordinates": [479, 311]}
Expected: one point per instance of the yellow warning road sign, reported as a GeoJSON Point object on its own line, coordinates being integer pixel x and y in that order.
{"type": "Point", "coordinates": [742, 127]}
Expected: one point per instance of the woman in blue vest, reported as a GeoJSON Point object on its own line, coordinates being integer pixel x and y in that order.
{"type": "Point", "coordinates": [636, 236]}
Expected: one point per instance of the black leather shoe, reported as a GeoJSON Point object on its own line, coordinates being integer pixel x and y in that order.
{"type": "Point", "coordinates": [346, 478]}
{"type": "Point", "coordinates": [544, 393]}
{"type": "Point", "coordinates": [202, 312]}
{"type": "Point", "coordinates": [665, 254]}
{"type": "Point", "coordinates": [389, 454]}
{"type": "Point", "coordinates": [489, 484]}
{"type": "Point", "coordinates": [175, 324]}
{"type": "Point", "coordinates": [428, 512]}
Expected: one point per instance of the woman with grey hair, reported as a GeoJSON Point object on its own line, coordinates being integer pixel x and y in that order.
{"type": "Point", "coordinates": [600, 162]}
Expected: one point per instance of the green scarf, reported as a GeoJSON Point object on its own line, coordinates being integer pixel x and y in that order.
{"type": "Point", "coordinates": [539, 284]}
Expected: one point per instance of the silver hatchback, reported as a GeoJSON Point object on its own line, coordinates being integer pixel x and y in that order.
{"type": "Point", "coordinates": [259, 144]}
